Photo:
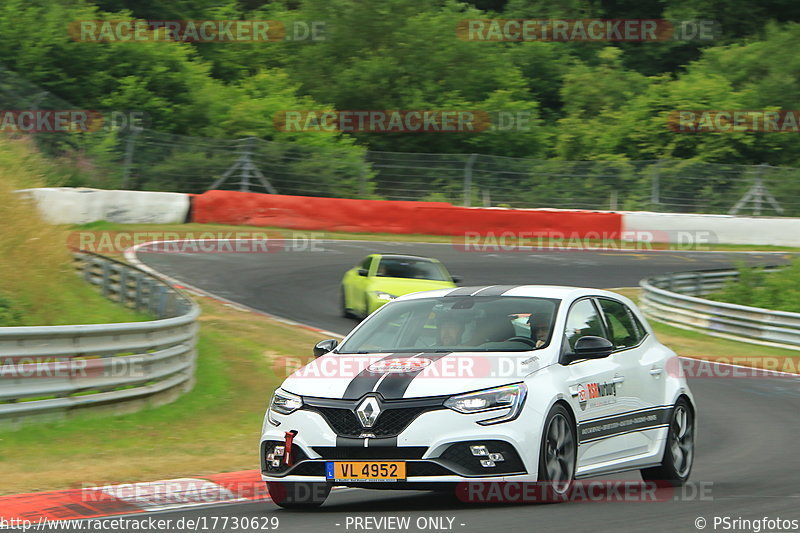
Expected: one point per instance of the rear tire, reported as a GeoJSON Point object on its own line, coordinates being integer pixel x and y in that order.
{"type": "Point", "coordinates": [679, 452]}
{"type": "Point", "coordinates": [558, 452]}
{"type": "Point", "coordinates": [298, 494]}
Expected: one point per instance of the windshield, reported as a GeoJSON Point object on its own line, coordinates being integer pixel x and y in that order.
{"type": "Point", "coordinates": [456, 324]}
{"type": "Point", "coordinates": [395, 267]}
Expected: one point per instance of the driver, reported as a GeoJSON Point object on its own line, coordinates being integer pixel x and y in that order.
{"type": "Point", "coordinates": [451, 329]}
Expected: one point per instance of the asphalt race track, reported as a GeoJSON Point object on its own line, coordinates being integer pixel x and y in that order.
{"type": "Point", "coordinates": [747, 444]}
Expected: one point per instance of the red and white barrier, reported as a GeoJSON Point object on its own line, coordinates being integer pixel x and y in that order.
{"type": "Point", "coordinates": [64, 205]}
{"type": "Point", "coordinates": [379, 216]}
{"type": "Point", "coordinates": [700, 229]}
{"type": "Point", "coordinates": [80, 206]}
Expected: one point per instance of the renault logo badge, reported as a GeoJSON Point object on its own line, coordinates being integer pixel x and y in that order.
{"type": "Point", "coordinates": [368, 412]}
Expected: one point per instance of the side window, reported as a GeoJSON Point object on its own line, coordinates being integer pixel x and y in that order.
{"type": "Point", "coordinates": [366, 263]}
{"type": "Point", "coordinates": [583, 320]}
{"type": "Point", "coordinates": [625, 330]}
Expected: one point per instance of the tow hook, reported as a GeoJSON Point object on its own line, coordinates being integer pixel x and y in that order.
{"type": "Point", "coordinates": [288, 438]}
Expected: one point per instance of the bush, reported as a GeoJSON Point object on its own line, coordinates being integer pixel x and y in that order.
{"type": "Point", "coordinates": [754, 287]}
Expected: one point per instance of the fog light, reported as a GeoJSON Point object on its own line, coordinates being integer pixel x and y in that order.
{"type": "Point", "coordinates": [487, 463]}
{"type": "Point", "coordinates": [497, 457]}
{"type": "Point", "coordinates": [479, 450]}
{"type": "Point", "coordinates": [279, 451]}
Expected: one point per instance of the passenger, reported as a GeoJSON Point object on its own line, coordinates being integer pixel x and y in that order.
{"type": "Point", "coordinates": [540, 329]}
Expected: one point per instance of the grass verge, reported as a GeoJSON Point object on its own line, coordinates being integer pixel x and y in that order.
{"type": "Point", "coordinates": [38, 284]}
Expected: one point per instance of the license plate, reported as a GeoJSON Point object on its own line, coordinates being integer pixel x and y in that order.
{"type": "Point", "coordinates": [366, 471]}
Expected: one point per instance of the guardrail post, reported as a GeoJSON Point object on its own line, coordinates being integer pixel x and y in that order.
{"type": "Point", "coordinates": [137, 302]}
{"type": "Point", "coordinates": [162, 301]}
{"type": "Point", "coordinates": [123, 287]}
{"type": "Point", "coordinates": [104, 286]}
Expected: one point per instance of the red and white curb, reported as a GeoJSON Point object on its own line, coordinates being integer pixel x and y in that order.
{"type": "Point", "coordinates": [134, 498]}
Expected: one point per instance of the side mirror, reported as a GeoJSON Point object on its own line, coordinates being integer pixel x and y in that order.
{"type": "Point", "coordinates": [323, 347]}
{"type": "Point", "coordinates": [363, 271]}
{"type": "Point", "coordinates": [456, 279]}
{"type": "Point", "coordinates": [591, 347]}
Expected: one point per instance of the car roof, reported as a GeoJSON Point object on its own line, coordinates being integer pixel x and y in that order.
{"type": "Point", "coordinates": [406, 257]}
{"type": "Point", "coordinates": [560, 292]}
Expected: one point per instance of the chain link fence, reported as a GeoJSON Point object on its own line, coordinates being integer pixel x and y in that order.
{"type": "Point", "coordinates": [144, 159]}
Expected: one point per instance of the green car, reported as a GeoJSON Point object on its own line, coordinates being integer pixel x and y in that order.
{"type": "Point", "coordinates": [380, 278]}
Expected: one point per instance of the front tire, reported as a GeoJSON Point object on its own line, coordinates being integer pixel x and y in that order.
{"type": "Point", "coordinates": [679, 452]}
{"type": "Point", "coordinates": [346, 313]}
{"type": "Point", "coordinates": [558, 452]}
{"type": "Point", "coordinates": [366, 307]}
{"type": "Point", "coordinates": [298, 494]}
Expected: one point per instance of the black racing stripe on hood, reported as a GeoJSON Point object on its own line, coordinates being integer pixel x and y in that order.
{"type": "Point", "coordinates": [366, 380]}
{"type": "Point", "coordinates": [394, 386]}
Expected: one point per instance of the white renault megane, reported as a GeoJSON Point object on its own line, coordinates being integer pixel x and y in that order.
{"type": "Point", "coordinates": [499, 383]}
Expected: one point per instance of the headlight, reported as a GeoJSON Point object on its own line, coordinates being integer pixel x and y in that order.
{"type": "Point", "coordinates": [510, 397]}
{"type": "Point", "coordinates": [285, 402]}
{"type": "Point", "coordinates": [384, 296]}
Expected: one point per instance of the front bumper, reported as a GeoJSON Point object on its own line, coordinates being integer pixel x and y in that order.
{"type": "Point", "coordinates": [435, 444]}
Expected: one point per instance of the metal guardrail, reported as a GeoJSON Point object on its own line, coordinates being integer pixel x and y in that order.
{"type": "Point", "coordinates": [46, 371]}
{"type": "Point", "coordinates": [676, 300]}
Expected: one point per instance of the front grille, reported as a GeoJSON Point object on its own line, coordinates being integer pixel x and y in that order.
{"type": "Point", "coordinates": [389, 424]}
{"type": "Point", "coordinates": [459, 457]}
{"type": "Point", "coordinates": [395, 415]}
{"type": "Point", "coordinates": [356, 453]}
{"type": "Point", "coordinates": [309, 468]}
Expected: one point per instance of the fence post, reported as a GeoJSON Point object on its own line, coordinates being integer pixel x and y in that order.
{"type": "Point", "coordinates": [655, 184]}
{"type": "Point", "coordinates": [757, 194]}
{"type": "Point", "coordinates": [468, 180]}
{"type": "Point", "coordinates": [128, 161]}
{"type": "Point", "coordinates": [362, 183]}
